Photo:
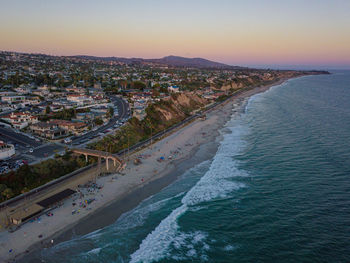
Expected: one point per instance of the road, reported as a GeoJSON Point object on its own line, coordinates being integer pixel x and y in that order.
{"type": "Point", "coordinates": [11, 136]}
{"type": "Point", "coordinates": [40, 150]}
{"type": "Point", "coordinates": [123, 112]}
{"type": "Point", "coordinates": [27, 148]}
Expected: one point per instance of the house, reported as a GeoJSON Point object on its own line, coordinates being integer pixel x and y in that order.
{"type": "Point", "coordinates": [20, 120]}
{"type": "Point", "coordinates": [5, 107]}
{"type": "Point", "coordinates": [23, 89]}
{"type": "Point", "coordinates": [70, 127]}
{"type": "Point", "coordinates": [47, 130]}
{"type": "Point", "coordinates": [85, 116]}
{"type": "Point", "coordinates": [174, 89]}
{"type": "Point", "coordinates": [11, 99]}
{"type": "Point", "coordinates": [80, 99]}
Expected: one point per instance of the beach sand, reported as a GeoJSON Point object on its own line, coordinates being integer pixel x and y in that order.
{"type": "Point", "coordinates": [184, 148]}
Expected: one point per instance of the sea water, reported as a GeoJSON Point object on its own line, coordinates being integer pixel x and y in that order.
{"type": "Point", "coordinates": [277, 190]}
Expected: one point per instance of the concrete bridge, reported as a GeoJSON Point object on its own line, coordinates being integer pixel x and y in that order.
{"type": "Point", "coordinates": [105, 155]}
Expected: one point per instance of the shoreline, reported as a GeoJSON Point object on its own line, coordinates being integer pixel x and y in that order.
{"type": "Point", "coordinates": [136, 186]}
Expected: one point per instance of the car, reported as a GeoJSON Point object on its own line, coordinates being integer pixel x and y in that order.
{"type": "Point", "coordinates": [31, 150]}
{"type": "Point", "coordinates": [37, 140]}
{"type": "Point", "coordinates": [67, 140]}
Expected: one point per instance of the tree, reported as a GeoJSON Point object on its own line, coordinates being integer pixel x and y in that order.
{"type": "Point", "coordinates": [110, 112]}
{"type": "Point", "coordinates": [139, 85]}
{"type": "Point", "coordinates": [7, 193]}
{"type": "Point", "coordinates": [98, 121]}
{"type": "Point", "coordinates": [48, 109]}
{"type": "Point", "coordinates": [156, 93]}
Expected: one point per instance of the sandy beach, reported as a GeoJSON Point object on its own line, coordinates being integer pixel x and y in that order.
{"type": "Point", "coordinates": [160, 165]}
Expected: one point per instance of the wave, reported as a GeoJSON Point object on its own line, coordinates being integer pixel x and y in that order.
{"type": "Point", "coordinates": [216, 183]}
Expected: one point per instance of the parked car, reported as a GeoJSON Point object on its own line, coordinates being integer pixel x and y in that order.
{"type": "Point", "coordinates": [67, 140]}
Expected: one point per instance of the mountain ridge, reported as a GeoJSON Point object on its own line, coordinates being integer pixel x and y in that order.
{"type": "Point", "coordinates": [171, 60]}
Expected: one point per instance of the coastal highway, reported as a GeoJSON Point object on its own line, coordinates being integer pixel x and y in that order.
{"type": "Point", "coordinates": [123, 112]}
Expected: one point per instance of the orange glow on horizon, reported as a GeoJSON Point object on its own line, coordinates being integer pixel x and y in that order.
{"type": "Point", "coordinates": [256, 36]}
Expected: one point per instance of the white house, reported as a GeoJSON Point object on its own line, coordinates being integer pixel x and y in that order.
{"type": "Point", "coordinates": [20, 120]}
{"type": "Point", "coordinates": [174, 89]}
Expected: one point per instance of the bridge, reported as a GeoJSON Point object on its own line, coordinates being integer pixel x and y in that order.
{"type": "Point", "coordinates": [105, 155]}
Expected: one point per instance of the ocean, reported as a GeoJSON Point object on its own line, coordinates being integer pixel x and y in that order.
{"type": "Point", "coordinates": [277, 190]}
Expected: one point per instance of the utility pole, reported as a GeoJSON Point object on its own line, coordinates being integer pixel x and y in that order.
{"type": "Point", "coordinates": [128, 146]}
{"type": "Point", "coordinates": [151, 137]}
{"type": "Point", "coordinates": [99, 169]}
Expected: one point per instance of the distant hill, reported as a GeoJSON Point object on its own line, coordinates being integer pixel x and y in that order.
{"type": "Point", "coordinates": [172, 61]}
{"type": "Point", "coordinates": [177, 61]}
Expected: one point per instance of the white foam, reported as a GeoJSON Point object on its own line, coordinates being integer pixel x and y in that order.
{"type": "Point", "coordinates": [216, 183]}
{"type": "Point", "coordinates": [137, 216]}
{"type": "Point", "coordinates": [229, 248]}
{"type": "Point", "coordinates": [94, 251]}
{"type": "Point", "coordinates": [156, 243]}
{"type": "Point", "coordinates": [191, 253]}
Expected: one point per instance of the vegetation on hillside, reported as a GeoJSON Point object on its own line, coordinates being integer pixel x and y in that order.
{"type": "Point", "coordinates": [28, 177]}
{"type": "Point", "coordinates": [160, 116]}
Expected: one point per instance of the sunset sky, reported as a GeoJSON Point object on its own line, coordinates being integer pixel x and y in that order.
{"type": "Point", "coordinates": [236, 32]}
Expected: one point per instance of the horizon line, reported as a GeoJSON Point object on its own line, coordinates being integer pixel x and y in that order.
{"type": "Point", "coordinates": [306, 66]}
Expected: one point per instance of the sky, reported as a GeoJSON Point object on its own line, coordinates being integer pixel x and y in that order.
{"type": "Point", "coordinates": [273, 33]}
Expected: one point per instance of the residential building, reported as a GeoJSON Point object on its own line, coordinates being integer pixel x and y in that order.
{"type": "Point", "coordinates": [20, 120]}
{"type": "Point", "coordinates": [174, 89]}
{"type": "Point", "coordinates": [11, 99]}
{"type": "Point", "coordinates": [48, 130]}
{"type": "Point", "coordinates": [71, 127]}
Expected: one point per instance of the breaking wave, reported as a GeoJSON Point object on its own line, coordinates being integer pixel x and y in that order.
{"type": "Point", "coordinates": [216, 183]}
